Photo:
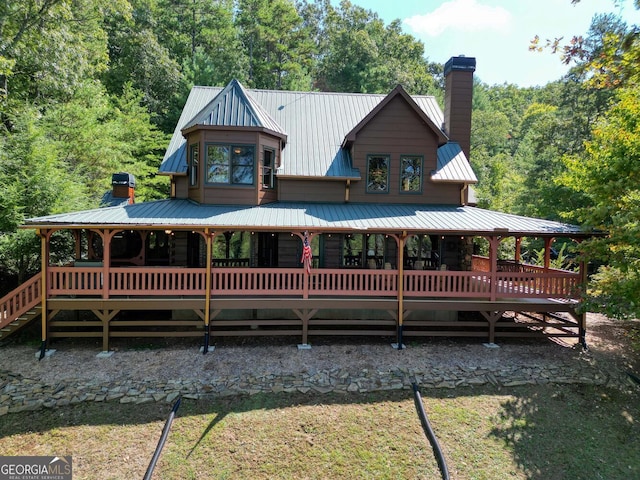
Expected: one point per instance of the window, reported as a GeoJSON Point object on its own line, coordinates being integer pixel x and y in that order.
{"type": "Point", "coordinates": [230, 164]}
{"type": "Point", "coordinates": [232, 249]}
{"type": "Point", "coordinates": [268, 167]}
{"type": "Point", "coordinates": [352, 250]}
{"type": "Point", "coordinates": [377, 173]}
{"type": "Point", "coordinates": [364, 250]}
{"type": "Point", "coordinates": [193, 165]}
{"type": "Point", "coordinates": [411, 174]}
{"type": "Point", "coordinates": [421, 252]}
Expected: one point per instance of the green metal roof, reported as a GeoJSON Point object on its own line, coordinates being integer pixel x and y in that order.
{"type": "Point", "coordinates": [281, 216]}
{"type": "Point", "coordinates": [234, 107]}
{"type": "Point", "coordinates": [315, 123]}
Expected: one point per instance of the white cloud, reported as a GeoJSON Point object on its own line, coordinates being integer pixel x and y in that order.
{"type": "Point", "coordinates": [462, 15]}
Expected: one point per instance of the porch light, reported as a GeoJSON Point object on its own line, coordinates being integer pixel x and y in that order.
{"type": "Point", "coordinates": [168, 232]}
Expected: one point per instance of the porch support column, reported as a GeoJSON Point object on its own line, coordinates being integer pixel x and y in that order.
{"type": "Point", "coordinates": [494, 243]}
{"type": "Point", "coordinates": [106, 261]}
{"type": "Point", "coordinates": [582, 316]}
{"type": "Point", "coordinates": [401, 241]}
{"type": "Point", "coordinates": [77, 237]}
{"type": "Point", "coordinates": [44, 254]}
{"type": "Point", "coordinates": [547, 252]}
{"type": "Point", "coordinates": [207, 290]}
{"type": "Point", "coordinates": [517, 255]}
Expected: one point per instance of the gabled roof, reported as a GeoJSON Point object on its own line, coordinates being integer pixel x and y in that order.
{"type": "Point", "coordinates": [396, 92]}
{"type": "Point", "coordinates": [328, 217]}
{"type": "Point", "coordinates": [453, 165]}
{"type": "Point", "coordinates": [316, 124]}
{"type": "Point", "coordinates": [234, 107]}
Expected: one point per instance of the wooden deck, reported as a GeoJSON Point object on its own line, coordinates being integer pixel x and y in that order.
{"type": "Point", "coordinates": [159, 301]}
{"type": "Point", "coordinates": [117, 302]}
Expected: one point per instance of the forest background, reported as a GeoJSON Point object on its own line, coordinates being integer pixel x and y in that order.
{"type": "Point", "coordinates": [93, 87]}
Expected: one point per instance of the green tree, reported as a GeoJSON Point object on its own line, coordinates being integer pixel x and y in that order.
{"type": "Point", "coordinates": [96, 135]}
{"type": "Point", "coordinates": [35, 183]}
{"type": "Point", "coordinates": [277, 44]}
{"type": "Point", "coordinates": [608, 179]}
{"type": "Point", "coordinates": [48, 47]}
{"type": "Point", "coordinates": [137, 57]}
{"type": "Point", "coordinates": [357, 52]}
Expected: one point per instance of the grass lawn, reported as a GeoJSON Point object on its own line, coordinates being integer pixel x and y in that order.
{"type": "Point", "coordinates": [535, 432]}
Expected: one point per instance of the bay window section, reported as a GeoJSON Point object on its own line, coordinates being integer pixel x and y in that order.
{"type": "Point", "coordinates": [377, 173]}
{"type": "Point", "coordinates": [411, 174]}
{"type": "Point", "coordinates": [242, 165]}
{"type": "Point", "coordinates": [230, 164]}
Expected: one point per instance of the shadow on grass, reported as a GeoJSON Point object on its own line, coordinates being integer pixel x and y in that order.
{"type": "Point", "coordinates": [543, 432]}
{"type": "Point", "coordinates": [572, 431]}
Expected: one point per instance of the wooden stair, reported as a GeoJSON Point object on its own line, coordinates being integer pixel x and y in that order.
{"type": "Point", "coordinates": [20, 307]}
{"type": "Point", "coordinates": [22, 321]}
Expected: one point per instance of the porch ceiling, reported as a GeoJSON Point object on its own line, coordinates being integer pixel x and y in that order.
{"type": "Point", "coordinates": [316, 217]}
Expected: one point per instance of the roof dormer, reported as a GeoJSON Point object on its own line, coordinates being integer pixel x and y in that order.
{"type": "Point", "coordinates": [396, 92]}
{"type": "Point", "coordinates": [234, 108]}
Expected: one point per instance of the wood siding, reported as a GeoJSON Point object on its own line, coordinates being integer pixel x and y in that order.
{"type": "Point", "coordinates": [396, 131]}
{"type": "Point", "coordinates": [292, 190]}
{"type": "Point", "coordinates": [289, 251]}
{"type": "Point", "coordinates": [180, 186]}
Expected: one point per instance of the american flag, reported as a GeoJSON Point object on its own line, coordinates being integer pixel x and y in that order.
{"type": "Point", "coordinates": [306, 254]}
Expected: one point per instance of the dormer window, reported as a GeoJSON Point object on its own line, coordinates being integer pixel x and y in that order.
{"type": "Point", "coordinates": [230, 164]}
{"type": "Point", "coordinates": [193, 165]}
{"type": "Point", "coordinates": [377, 173]}
{"type": "Point", "coordinates": [411, 173]}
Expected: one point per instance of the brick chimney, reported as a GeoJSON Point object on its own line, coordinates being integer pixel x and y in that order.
{"type": "Point", "coordinates": [123, 186]}
{"type": "Point", "coordinates": [458, 95]}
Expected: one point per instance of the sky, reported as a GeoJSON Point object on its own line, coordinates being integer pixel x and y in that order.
{"type": "Point", "coordinates": [498, 32]}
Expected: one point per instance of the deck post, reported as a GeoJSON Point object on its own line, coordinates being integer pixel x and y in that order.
{"type": "Point", "coordinates": [401, 240]}
{"type": "Point", "coordinates": [207, 289]}
{"type": "Point", "coordinates": [106, 260]}
{"type": "Point", "coordinates": [582, 317]}
{"type": "Point", "coordinates": [494, 243]}
{"type": "Point", "coordinates": [44, 254]}
{"type": "Point", "coordinates": [547, 253]}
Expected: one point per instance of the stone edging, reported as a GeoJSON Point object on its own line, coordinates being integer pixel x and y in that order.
{"type": "Point", "coordinates": [18, 394]}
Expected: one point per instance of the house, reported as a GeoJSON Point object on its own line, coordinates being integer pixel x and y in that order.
{"type": "Point", "coordinates": [305, 213]}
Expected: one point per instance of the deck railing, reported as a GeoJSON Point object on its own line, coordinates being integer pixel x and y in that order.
{"type": "Point", "coordinates": [163, 281]}
{"type": "Point", "coordinates": [20, 300]}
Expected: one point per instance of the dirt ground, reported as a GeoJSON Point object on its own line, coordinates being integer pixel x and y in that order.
{"type": "Point", "coordinates": [610, 344]}
{"type": "Point", "coordinates": [615, 341]}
